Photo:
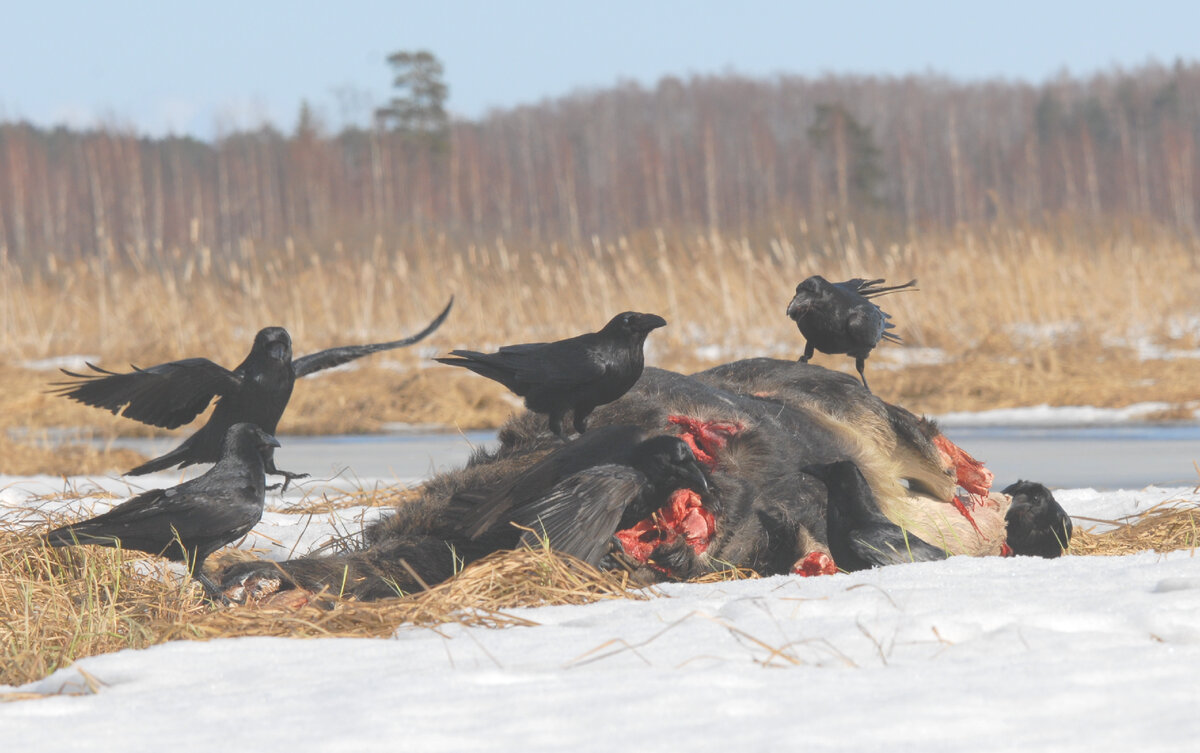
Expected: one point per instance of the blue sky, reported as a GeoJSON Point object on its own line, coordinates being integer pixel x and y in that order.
{"type": "Point", "coordinates": [205, 67]}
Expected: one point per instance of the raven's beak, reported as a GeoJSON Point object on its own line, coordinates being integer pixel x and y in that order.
{"type": "Point", "coordinates": [648, 322]}
{"type": "Point", "coordinates": [693, 476]}
{"type": "Point", "coordinates": [797, 308]}
{"type": "Point", "coordinates": [278, 351]}
{"type": "Point", "coordinates": [269, 440]}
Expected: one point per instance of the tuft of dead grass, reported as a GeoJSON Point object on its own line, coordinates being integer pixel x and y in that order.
{"type": "Point", "coordinates": [1166, 527]}
{"type": "Point", "coordinates": [59, 605]}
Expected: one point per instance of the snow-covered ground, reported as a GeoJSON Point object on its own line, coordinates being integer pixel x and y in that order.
{"type": "Point", "coordinates": [1079, 653]}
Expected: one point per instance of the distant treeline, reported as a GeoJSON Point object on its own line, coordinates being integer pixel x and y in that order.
{"type": "Point", "coordinates": [723, 153]}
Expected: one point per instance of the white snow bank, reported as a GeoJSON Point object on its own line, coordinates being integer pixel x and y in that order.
{"type": "Point", "coordinates": [1047, 415]}
{"type": "Point", "coordinates": [1076, 654]}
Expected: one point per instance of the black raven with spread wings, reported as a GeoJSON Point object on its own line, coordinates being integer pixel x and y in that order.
{"type": "Point", "coordinates": [839, 317]}
{"type": "Point", "coordinates": [576, 374]}
{"type": "Point", "coordinates": [186, 523]}
{"type": "Point", "coordinates": [257, 391]}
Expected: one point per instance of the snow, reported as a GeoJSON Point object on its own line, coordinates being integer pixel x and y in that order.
{"type": "Point", "coordinates": [1048, 415]}
{"type": "Point", "coordinates": [1079, 653]}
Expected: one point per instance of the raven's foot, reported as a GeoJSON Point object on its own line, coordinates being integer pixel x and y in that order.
{"type": "Point", "coordinates": [214, 594]}
{"type": "Point", "coordinates": [706, 438]}
{"type": "Point", "coordinates": [288, 477]}
{"type": "Point", "coordinates": [815, 563]}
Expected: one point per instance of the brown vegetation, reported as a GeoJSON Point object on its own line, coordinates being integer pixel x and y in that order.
{"type": "Point", "coordinates": [62, 605]}
{"type": "Point", "coordinates": [1018, 316]}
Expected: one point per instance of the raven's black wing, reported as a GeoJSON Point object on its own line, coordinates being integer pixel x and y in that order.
{"type": "Point", "coordinates": [478, 511]}
{"type": "Point", "coordinates": [167, 395]}
{"type": "Point", "coordinates": [882, 543]}
{"type": "Point", "coordinates": [580, 515]}
{"type": "Point", "coordinates": [327, 359]}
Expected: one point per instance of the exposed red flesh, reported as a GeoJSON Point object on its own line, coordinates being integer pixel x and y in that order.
{"type": "Point", "coordinates": [970, 473]}
{"type": "Point", "coordinates": [815, 563]}
{"type": "Point", "coordinates": [706, 438]}
{"type": "Point", "coordinates": [684, 515]}
{"type": "Point", "coordinates": [1006, 550]}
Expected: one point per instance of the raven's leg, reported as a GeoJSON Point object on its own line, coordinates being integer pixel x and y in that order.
{"type": "Point", "coordinates": [859, 363]}
{"type": "Point", "coordinates": [195, 566]}
{"type": "Point", "coordinates": [269, 466]}
{"type": "Point", "coordinates": [808, 352]}
{"type": "Point", "coordinates": [556, 423]}
{"type": "Point", "coordinates": [581, 418]}
{"type": "Point", "coordinates": [210, 588]}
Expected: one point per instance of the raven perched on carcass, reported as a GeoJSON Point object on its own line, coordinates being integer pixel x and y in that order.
{"type": "Point", "coordinates": [839, 317]}
{"type": "Point", "coordinates": [256, 391]}
{"type": "Point", "coordinates": [577, 374]}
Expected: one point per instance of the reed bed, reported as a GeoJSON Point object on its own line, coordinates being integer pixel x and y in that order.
{"type": "Point", "coordinates": [1017, 315]}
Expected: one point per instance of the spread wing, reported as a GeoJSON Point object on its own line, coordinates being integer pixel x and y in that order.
{"type": "Point", "coordinates": [167, 395]}
{"type": "Point", "coordinates": [580, 515]}
{"type": "Point", "coordinates": [327, 359]}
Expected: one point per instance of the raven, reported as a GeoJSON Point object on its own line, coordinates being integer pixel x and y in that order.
{"type": "Point", "coordinates": [838, 317]}
{"type": "Point", "coordinates": [860, 536]}
{"type": "Point", "coordinates": [576, 374]}
{"type": "Point", "coordinates": [188, 522]}
{"type": "Point", "coordinates": [1037, 524]}
{"type": "Point", "coordinates": [579, 514]}
{"type": "Point", "coordinates": [171, 394]}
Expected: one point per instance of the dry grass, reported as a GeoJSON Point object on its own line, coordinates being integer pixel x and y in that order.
{"type": "Point", "coordinates": [1023, 316]}
{"type": "Point", "coordinates": [62, 605]}
{"type": "Point", "coordinates": [1166, 527]}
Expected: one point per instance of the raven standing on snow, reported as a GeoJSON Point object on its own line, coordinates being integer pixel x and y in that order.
{"type": "Point", "coordinates": [186, 523]}
{"type": "Point", "coordinates": [172, 394]}
{"type": "Point", "coordinates": [837, 317]}
{"type": "Point", "coordinates": [577, 374]}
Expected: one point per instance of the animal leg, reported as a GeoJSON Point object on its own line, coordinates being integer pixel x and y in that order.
{"type": "Point", "coordinates": [808, 352]}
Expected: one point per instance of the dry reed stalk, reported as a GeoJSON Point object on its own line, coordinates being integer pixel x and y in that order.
{"type": "Point", "coordinates": [1022, 315]}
